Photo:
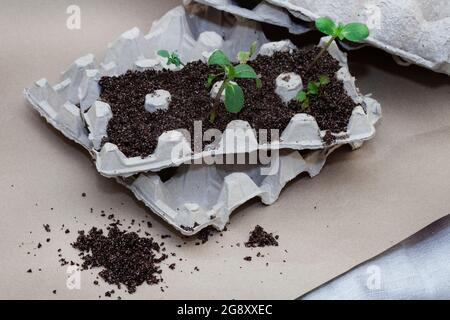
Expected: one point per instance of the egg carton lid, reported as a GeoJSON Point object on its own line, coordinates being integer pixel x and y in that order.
{"type": "Point", "coordinates": [414, 31]}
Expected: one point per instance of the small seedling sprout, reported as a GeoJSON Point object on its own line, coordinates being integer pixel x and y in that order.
{"type": "Point", "coordinates": [354, 32]}
{"type": "Point", "coordinates": [244, 56]}
{"type": "Point", "coordinates": [304, 96]}
{"type": "Point", "coordinates": [234, 95]}
{"type": "Point", "coordinates": [172, 58]}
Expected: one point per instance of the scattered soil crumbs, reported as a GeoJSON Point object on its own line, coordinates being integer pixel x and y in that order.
{"type": "Point", "coordinates": [126, 258]}
{"type": "Point", "coordinates": [136, 131]}
{"type": "Point", "coordinates": [204, 234]}
{"type": "Point", "coordinates": [260, 238]}
{"type": "Point", "coordinates": [109, 293]}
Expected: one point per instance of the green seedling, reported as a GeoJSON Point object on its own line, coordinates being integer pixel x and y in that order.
{"type": "Point", "coordinates": [173, 58]}
{"type": "Point", "coordinates": [244, 56]}
{"type": "Point", "coordinates": [234, 95]}
{"type": "Point", "coordinates": [354, 32]}
{"type": "Point", "coordinates": [304, 96]}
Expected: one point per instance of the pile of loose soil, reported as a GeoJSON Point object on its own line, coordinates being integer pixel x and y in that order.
{"type": "Point", "coordinates": [126, 258]}
{"type": "Point", "coordinates": [260, 238]}
{"type": "Point", "coordinates": [136, 131]}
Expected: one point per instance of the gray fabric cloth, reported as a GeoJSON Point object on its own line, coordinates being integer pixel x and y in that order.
{"type": "Point", "coordinates": [417, 268]}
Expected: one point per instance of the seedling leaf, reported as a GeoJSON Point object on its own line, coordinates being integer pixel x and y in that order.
{"type": "Point", "coordinates": [211, 79]}
{"type": "Point", "coordinates": [174, 59]}
{"type": "Point", "coordinates": [356, 32]}
{"type": "Point", "coordinates": [253, 48]}
{"type": "Point", "coordinates": [305, 104]}
{"type": "Point", "coordinates": [313, 89]}
{"type": "Point", "coordinates": [259, 83]}
{"type": "Point", "coordinates": [164, 53]}
{"type": "Point", "coordinates": [326, 25]}
{"type": "Point", "coordinates": [324, 80]}
{"type": "Point", "coordinates": [244, 56]}
{"type": "Point", "coordinates": [234, 98]}
{"type": "Point", "coordinates": [339, 33]}
{"type": "Point", "coordinates": [244, 71]}
{"type": "Point", "coordinates": [219, 58]}
{"type": "Point", "coordinates": [302, 96]}
{"type": "Point", "coordinates": [230, 72]}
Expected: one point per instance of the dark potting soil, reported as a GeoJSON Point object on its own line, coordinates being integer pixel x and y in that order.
{"type": "Point", "coordinates": [136, 131]}
{"type": "Point", "coordinates": [260, 238]}
{"type": "Point", "coordinates": [204, 234]}
{"type": "Point", "coordinates": [126, 258]}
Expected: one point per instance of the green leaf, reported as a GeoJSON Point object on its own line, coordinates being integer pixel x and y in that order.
{"type": "Point", "coordinates": [302, 96]}
{"type": "Point", "coordinates": [326, 25]}
{"type": "Point", "coordinates": [211, 80]}
{"type": "Point", "coordinates": [340, 31]}
{"type": "Point", "coordinates": [324, 80]}
{"type": "Point", "coordinates": [219, 58]}
{"type": "Point", "coordinates": [259, 83]}
{"type": "Point", "coordinates": [243, 57]}
{"type": "Point", "coordinates": [305, 104]}
{"type": "Point", "coordinates": [355, 32]}
{"type": "Point", "coordinates": [253, 48]}
{"type": "Point", "coordinates": [244, 71]}
{"type": "Point", "coordinates": [174, 59]}
{"type": "Point", "coordinates": [313, 89]}
{"type": "Point", "coordinates": [230, 71]}
{"type": "Point", "coordinates": [164, 53]}
{"type": "Point", "coordinates": [234, 98]}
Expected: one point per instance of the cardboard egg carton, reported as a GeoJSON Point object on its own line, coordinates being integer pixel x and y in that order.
{"type": "Point", "coordinates": [196, 196]}
{"type": "Point", "coordinates": [79, 89]}
{"type": "Point", "coordinates": [414, 31]}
